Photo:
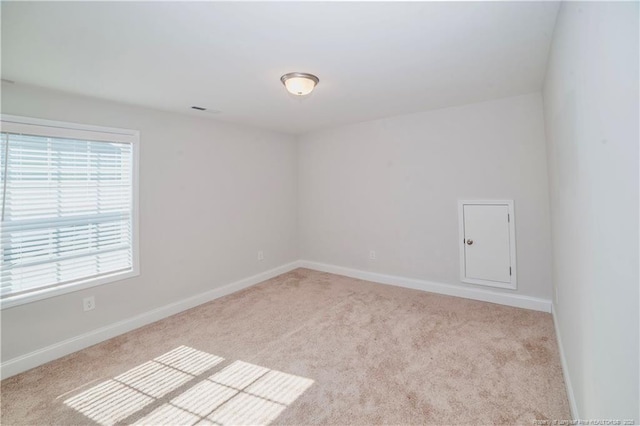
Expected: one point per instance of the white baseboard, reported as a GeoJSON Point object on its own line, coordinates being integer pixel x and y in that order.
{"type": "Point", "coordinates": [516, 300]}
{"type": "Point", "coordinates": [41, 356]}
{"type": "Point", "coordinates": [565, 369]}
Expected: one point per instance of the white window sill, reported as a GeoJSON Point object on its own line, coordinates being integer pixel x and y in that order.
{"type": "Point", "coordinates": [35, 295]}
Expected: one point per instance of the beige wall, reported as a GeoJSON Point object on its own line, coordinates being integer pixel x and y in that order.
{"type": "Point", "coordinates": [211, 196]}
{"type": "Point", "coordinates": [392, 186]}
{"type": "Point", "coordinates": [591, 113]}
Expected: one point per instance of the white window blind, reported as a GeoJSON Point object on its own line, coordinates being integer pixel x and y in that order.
{"type": "Point", "coordinates": [67, 209]}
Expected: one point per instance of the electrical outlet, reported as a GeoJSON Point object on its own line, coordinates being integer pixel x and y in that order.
{"type": "Point", "coordinates": [260, 255]}
{"type": "Point", "coordinates": [89, 303]}
{"type": "Point", "coordinates": [372, 255]}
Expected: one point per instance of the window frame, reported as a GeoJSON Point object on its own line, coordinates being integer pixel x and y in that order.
{"type": "Point", "coordinates": [60, 129]}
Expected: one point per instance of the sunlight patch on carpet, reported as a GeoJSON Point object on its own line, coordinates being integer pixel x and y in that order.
{"type": "Point", "coordinates": [240, 393]}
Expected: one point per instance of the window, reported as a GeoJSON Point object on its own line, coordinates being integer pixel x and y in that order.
{"type": "Point", "coordinates": [69, 207]}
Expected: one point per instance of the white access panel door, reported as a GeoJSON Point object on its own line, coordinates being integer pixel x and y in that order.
{"type": "Point", "coordinates": [488, 243]}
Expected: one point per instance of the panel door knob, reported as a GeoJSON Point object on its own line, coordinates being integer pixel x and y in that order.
{"type": "Point", "coordinates": [469, 242]}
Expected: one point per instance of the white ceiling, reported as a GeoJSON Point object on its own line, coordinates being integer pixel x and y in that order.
{"type": "Point", "coordinates": [373, 59]}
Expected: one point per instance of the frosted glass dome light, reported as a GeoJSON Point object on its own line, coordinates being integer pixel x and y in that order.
{"type": "Point", "coordinates": [299, 83]}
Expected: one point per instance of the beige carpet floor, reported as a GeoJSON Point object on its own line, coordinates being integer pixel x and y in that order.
{"type": "Point", "coordinates": [308, 348]}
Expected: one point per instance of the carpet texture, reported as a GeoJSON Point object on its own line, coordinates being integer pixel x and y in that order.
{"type": "Point", "coordinates": [308, 348]}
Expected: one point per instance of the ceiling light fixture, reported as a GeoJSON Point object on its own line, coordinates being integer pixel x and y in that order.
{"type": "Point", "coordinates": [299, 83]}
